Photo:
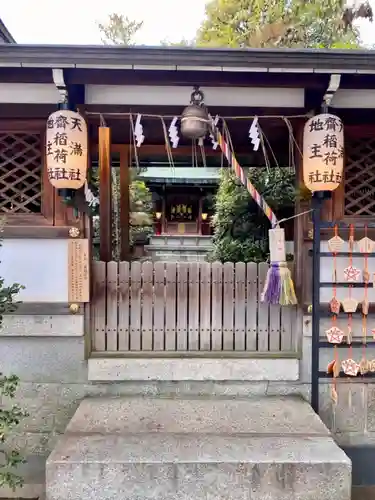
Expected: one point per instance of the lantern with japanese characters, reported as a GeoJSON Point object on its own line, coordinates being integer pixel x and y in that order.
{"type": "Point", "coordinates": [323, 152]}
{"type": "Point", "coordinates": [66, 149]}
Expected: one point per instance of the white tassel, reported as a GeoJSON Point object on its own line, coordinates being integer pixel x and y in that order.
{"type": "Point", "coordinates": [254, 134]}
{"type": "Point", "coordinates": [173, 133]}
{"type": "Point", "coordinates": [138, 131]}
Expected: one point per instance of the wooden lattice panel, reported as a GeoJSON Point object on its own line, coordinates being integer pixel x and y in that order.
{"type": "Point", "coordinates": [360, 177]}
{"type": "Point", "coordinates": [20, 172]}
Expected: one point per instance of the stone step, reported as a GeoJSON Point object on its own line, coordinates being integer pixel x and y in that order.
{"type": "Point", "coordinates": [170, 449]}
{"type": "Point", "coordinates": [262, 415]}
{"type": "Point", "coordinates": [181, 467]}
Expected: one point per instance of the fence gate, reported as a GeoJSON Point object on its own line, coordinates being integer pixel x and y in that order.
{"type": "Point", "coordinates": [191, 308]}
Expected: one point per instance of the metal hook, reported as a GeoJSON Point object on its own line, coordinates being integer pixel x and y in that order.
{"type": "Point", "coordinates": [197, 96]}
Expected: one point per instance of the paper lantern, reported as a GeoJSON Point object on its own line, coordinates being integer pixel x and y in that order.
{"type": "Point", "coordinates": [66, 149]}
{"type": "Point", "coordinates": [323, 152]}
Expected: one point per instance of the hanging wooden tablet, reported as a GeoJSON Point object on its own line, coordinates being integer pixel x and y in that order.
{"type": "Point", "coordinates": [365, 306]}
{"type": "Point", "coordinates": [350, 305]}
{"type": "Point", "coordinates": [330, 367]}
{"type": "Point", "coordinates": [364, 366]}
{"type": "Point", "coordinates": [352, 273]}
{"type": "Point", "coordinates": [350, 367]}
{"type": "Point", "coordinates": [334, 368]}
{"type": "Point", "coordinates": [372, 365]}
{"type": "Point", "coordinates": [335, 305]}
{"type": "Point", "coordinates": [334, 335]}
{"type": "Point", "coordinates": [366, 245]}
{"type": "Point", "coordinates": [335, 244]}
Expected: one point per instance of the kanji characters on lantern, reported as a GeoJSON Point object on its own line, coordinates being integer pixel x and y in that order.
{"type": "Point", "coordinates": [66, 149]}
{"type": "Point", "coordinates": [323, 152]}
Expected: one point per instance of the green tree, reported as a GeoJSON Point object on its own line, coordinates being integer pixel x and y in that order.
{"type": "Point", "coordinates": [10, 414]}
{"type": "Point", "coordinates": [119, 30]}
{"type": "Point", "coordinates": [276, 23]}
{"type": "Point", "coordinates": [240, 228]}
{"type": "Point", "coordinates": [182, 43]}
{"type": "Point", "coordinates": [141, 219]}
{"type": "Point", "coordinates": [140, 211]}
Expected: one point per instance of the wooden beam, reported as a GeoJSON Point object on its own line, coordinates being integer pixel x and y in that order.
{"type": "Point", "coordinates": [35, 229]}
{"type": "Point", "coordinates": [124, 203]}
{"type": "Point", "coordinates": [47, 201]}
{"type": "Point", "coordinates": [190, 78]}
{"type": "Point", "coordinates": [27, 126]}
{"type": "Point", "coordinates": [156, 149]}
{"type": "Point", "coordinates": [359, 131]}
{"type": "Point", "coordinates": [105, 194]}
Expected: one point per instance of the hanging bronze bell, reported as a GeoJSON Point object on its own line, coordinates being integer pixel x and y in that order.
{"type": "Point", "coordinates": [194, 118]}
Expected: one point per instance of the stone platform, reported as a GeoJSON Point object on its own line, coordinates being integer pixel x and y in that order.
{"type": "Point", "coordinates": [179, 449]}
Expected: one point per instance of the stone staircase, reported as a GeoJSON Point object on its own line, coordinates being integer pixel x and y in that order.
{"type": "Point", "coordinates": [179, 248]}
{"type": "Point", "coordinates": [264, 448]}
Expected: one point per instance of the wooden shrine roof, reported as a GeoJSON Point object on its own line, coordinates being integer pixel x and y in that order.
{"type": "Point", "coordinates": [175, 58]}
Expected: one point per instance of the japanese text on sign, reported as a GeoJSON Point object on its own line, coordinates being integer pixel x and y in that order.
{"type": "Point", "coordinates": [66, 149]}
{"type": "Point", "coordinates": [323, 152]}
{"type": "Point", "coordinates": [78, 270]}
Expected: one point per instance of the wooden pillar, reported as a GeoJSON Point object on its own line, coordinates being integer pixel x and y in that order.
{"type": "Point", "coordinates": [163, 211]}
{"type": "Point", "coordinates": [300, 222]}
{"type": "Point", "coordinates": [125, 203]}
{"type": "Point", "coordinates": [200, 213]}
{"type": "Point", "coordinates": [105, 194]}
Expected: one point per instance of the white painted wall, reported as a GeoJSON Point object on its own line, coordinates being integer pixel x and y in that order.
{"type": "Point", "coordinates": [180, 96]}
{"type": "Point", "coordinates": [29, 93]}
{"type": "Point", "coordinates": [38, 264]}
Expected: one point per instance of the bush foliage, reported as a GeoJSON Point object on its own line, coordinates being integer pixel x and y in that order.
{"type": "Point", "coordinates": [240, 227]}
{"type": "Point", "coordinates": [10, 414]}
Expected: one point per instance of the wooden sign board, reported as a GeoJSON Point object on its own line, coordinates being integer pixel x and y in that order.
{"type": "Point", "coordinates": [78, 270]}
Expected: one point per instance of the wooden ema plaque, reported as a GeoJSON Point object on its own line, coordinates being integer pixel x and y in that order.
{"type": "Point", "coordinates": [78, 270]}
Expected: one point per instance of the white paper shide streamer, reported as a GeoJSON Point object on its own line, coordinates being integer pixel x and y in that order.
{"type": "Point", "coordinates": [215, 144]}
{"type": "Point", "coordinates": [138, 131]}
{"type": "Point", "coordinates": [254, 134]}
{"type": "Point", "coordinates": [173, 133]}
{"type": "Point", "coordinates": [91, 199]}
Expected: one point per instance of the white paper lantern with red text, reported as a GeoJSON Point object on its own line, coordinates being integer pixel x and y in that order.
{"type": "Point", "coordinates": [66, 149]}
{"type": "Point", "coordinates": [323, 152]}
